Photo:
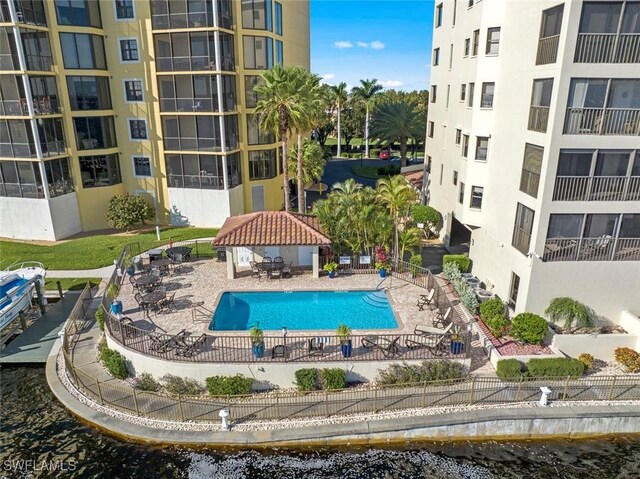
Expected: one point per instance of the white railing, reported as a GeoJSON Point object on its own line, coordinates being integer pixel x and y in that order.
{"type": "Point", "coordinates": [604, 248]}
{"type": "Point", "coordinates": [608, 48]}
{"type": "Point", "coordinates": [627, 249]}
{"type": "Point", "coordinates": [602, 121]}
{"type": "Point", "coordinates": [547, 50]}
{"type": "Point", "coordinates": [538, 118]}
{"type": "Point", "coordinates": [628, 50]}
{"type": "Point", "coordinates": [596, 188]}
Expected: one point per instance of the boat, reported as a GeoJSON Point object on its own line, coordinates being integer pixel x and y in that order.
{"type": "Point", "coordinates": [17, 285]}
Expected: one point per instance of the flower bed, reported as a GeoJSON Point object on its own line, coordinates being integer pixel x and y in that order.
{"type": "Point", "coordinates": [508, 346]}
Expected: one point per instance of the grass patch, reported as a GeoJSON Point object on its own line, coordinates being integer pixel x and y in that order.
{"type": "Point", "coordinates": [70, 284]}
{"type": "Point", "coordinates": [366, 172]}
{"type": "Point", "coordinates": [94, 251]}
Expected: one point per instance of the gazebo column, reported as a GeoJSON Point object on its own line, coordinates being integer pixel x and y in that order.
{"type": "Point", "coordinates": [315, 261]}
{"type": "Point", "coordinates": [231, 262]}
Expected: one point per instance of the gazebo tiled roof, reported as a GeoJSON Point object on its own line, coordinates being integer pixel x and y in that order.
{"type": "Point", "coordinates": [271, 228]}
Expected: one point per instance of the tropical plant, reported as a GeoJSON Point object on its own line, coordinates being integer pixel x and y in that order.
{"type": "Point", "coordinates": [382, 258]}
{"type": "Point", "coordinates": [146, 382]}
{"type": "Point", "coordinates": [306, 379]}
{"type": "Point", "coordinates": [460, 260]}
{"type": "Point", "coordinates": [365, 93]}
{"type": "Point", "coordinates": [529, 328]}
{"type": "Point", "coordinates": [112, 291]}
{"type": "Point", "coordinates": [570, 311]}
{"type": "Point", "coordinates": [428, 216]}
{"type": "Point", "coordinates": [229, 385]}
{"type": "Point", "coordinates": [340, 96]}
{"type": "Point", "coordinates": [409, 238]}
{"type": "Point", "coordinates": [330, 267]}
{"type": "Point", "coordinates": [127, 210]}
{"type": "Point", "coordinates": [333, 378]}
{"type": "Point", "coordinates": [256, 334]}
{"type": "Point", "coordinates": [99, 316]}
{"type": "Point", "coordinates": [344, 333]}
{"type": "Point", "coordinates": [397, 196]}
{"type": "Point", "coordinates": [492, 307]}
{"type": "Point", "coordinates": [628, 358]}
{"type": "Point", "coordinates": [432, 370]}
{"type": "Point", "coordinates": [396, 121]}
{"type": "Point", "coordinates": [415, 264]}
{"type": "Point", "coordinates": [352, 115]}
{"type": "Point", "coordinates": [324, 122]}
{"type": "Point", "coordinates": [313, 162]}
{"type": "Point", "coordinates": [497, 324]}
{"type": "Point", "coordinates": [114, 362]}
{"type": "Point", "coordinates": [586, 359]}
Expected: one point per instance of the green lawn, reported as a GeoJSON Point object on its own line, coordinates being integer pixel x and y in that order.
{"type": "Point", "coordinates": [70, 283]}
{"type": "Point", "coordinates": [365, 171]}
{"type": "Point", "coordinates": [92, 251]}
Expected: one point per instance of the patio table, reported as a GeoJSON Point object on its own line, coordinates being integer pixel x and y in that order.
{"type": "Point", "coordinates": [147, 281]}
{"type": "Point", "coordinates": [181, 250]}
{"type": "Point", "coordinates": [161, 264]}
{"type": "Point", "coordinates": [154, 297]}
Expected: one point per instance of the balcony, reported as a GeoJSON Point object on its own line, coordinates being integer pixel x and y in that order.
{"type": "Point", "coordinates": [188, 104]}
{"type": "Point", "coordinates": [14, 107]}
{"type": "Point", "coordinates": [608, 48]}
{"type": "Point", "coordinates": [39, 63]}
{"type": "Point", "coordinates": [9, 62]}
{"type": "Point", "coordinates": [597, 188]}
{"type": "Point", "coordinates": [41, 106]}
{"type": "Point", "coordinates": [602, 121]}
{"type": "Point", "coordinates": [182, 20]}
{"type": "Point", "coordinates": [604, 248]}
{"type": "Point", "coordinates": [17, 190]}
{"type": "Point", "coordinates": [173, 64]}
{"type": "Point", "coordinates": [547, 50]}
{"type": "Point", "coordinates": [538, 118]}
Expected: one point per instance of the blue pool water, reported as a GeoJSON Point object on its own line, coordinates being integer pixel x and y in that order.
{"type": "Point", "coordinates": [303, 310]}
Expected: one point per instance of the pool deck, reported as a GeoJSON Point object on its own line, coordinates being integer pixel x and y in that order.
{"type": "Point", "coordinates": [202, 282]}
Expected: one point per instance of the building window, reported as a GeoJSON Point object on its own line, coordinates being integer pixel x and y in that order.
{"type": "Point", "coordinates": [83, 51]}
{"type": "Point", "coordinates": [279, 53]}
{"type": "Point", "coordinates": [195, 171]}
{"type": "Point", "coordinates": [455, 178]}
{"type": "Point", "coordinates": [461, 193]}
{"type": "Point", "coordinates": [79, 13]}
{"type": "Point", "coordinates": [465, 145]}
{"type": "Point", "coordinates": [20, 179]}
{"type": "Point", "coordinates": [258, 52]}
{"type": "Point", "coordinates": [441, 172]}
{"type": "Point", "coordinates": [137, 129]}
{"type": "Point", "coordinates": [436, 57]}
{"type": "Point", "coordinates": [133, 90]}
{"type": "Point", "coordinates": [434, 93]}
{"type": "Point", "coordinates": [59, 177]}
{"type": "Point", "coordinates": [438, 15]}
{"type": "Point", "coordinates": [458, 136]}
{"type": "Point", "coordinates": [124, 9]}
{"type": "Point", "coordinates": [94, 132]}
{"type": "Point", "coordinates": [255, 134]}
{"type": "Point", "coordinates": [472, 87]}
{"type": "Point", "coordinates": [476, 42]}
{"type": "Point", "coordinates": [278, 13]}
{"type": "Point", "coordinates": [522, 229]}
{"type": "Point", "coordinates": [198, 132]}
{"type": "Point", "coordinates": [129, 50]}
{"type": "Point", "coordinates": [493, 41]}
{"type": "Point", "coordinates": [250, 96]}
{"type": "Point", "coordinates": [451, 56]}
{"type": "Point", "coordinates": [549, 35]}
{"type": "Point", "coordinates": [448, 96]}
{"type": "Point", "coordinates": [467, 46]}
{"type": "Point", "coordinates": [100, 170]}
{"type": "Point", "coordinates": [89, 93]}
{"type": "Point", "coordinates": [486, 100]}
{"type": "Point", "coordinates": [469, 3]}
{"type": "Point", "coordinates": [167, 14]}
{"type": "Point", "coordinates": [540, 103]}
{"type": "Point", "coordinates": [476, 197]}
{"type": "Point", "coordinates": [193, 51]}
{"type": "Point", "coordinates": [482, 145]}
{"type": "Point", "coordinates": [16, 139]}
{"type": "Point", "coordinates": [513, 290]}
{"type": "Point", "coordinates": [262, 164]}
{"type": "Point", "coordinates": [463, 92]}
{"type": "Point", "coordinates": [430, 128]}
{"type": "Point", "coordinates": [142, 166]}
{"type": "Point", "coordinates": [256, 14]}
{"type": "Point", "coordinates": [531, 167]}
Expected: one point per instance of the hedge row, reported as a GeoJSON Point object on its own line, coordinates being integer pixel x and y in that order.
{"type": "Point", "coordinates": [509, 369]}
{"type": "Point", "coordinates": [312, 379]}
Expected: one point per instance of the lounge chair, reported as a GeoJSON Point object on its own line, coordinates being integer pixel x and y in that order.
{"type": "Point", "coordinates": [133, 283]}
{"type": "Point", "coordinates": [279, 351]}
{"type": "Point", "coordinates": [144, 306]}
{"type": "Point", "coordinates": [316, 347]}
{"type": "Point", "coordinates": [189, 350]}
{"type": "Point", "coordinates": [430, 331]}
{"type": "Point", "coordinates": [443, 320]}
{"type": "Point", "coordinates": [426, 299]}
{"type": "Point", "coordinates": [165, 345]}
{"type": "Point", "coordinates": [389, 347]}
{"type": "Point", "coordinates": [436, 344]}
{"type": "Point", "coordinates": [286, 271]}
{"type": "Point", "coordinates": [255, 271]}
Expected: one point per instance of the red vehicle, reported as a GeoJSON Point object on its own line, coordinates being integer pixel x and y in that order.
{"type": "Point", "coordinates": [384, 154]}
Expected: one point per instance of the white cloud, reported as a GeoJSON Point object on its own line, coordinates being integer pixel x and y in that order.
{"type": "Point", "coordinates": [326, 77]}
{"type": "Point", "coordinates": [376, 45]}
{"type": "Point", "coordinates": [392, 83]}
{"type": "Point", "coordinates": [362, 44]}
{"type": "Point", "coordinates": [343, 44]}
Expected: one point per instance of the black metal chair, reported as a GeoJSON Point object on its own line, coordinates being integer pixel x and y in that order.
{"type": "Point", "coordinates": [279, 351]}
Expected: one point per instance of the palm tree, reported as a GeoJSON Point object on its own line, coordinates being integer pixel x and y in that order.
{"type": "Point", "coordinates": [397, 121]}
{"type": "Point", "coordinates": [340, 97]}
{"type": "Point", "coordinates": [365, 93]}
{"type": "Point", "coordinates": [280, 109]}
{"type": "Point", "coordinates": [397, 196]}
{"type": "Point", "coordinates": [313, 162]}
{"type": "Point", "coordinates": [570, 311]}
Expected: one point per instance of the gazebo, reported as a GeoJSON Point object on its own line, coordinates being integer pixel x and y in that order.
{"type": "Point", "coordinates": [295, 237]}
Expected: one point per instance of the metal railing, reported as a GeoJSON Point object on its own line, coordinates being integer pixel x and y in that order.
{"type": "Point", "coordinates": [602, 121]}
{"type": "Point", "coordinates": [547, 50]}
{"type": "Point", "coordinates": [597, 188]}
{"type": "Point", "coordinates": [190, 63]}
{"type": "Point", "coordinates": [592, 249]}
{"type": "Point", "coordinates": [182, 20]}
{"type": "Point", "coordinates": [78, 316]}
{"type": "Point", "coordinates": [608, 48]}
{"type": "Point", "coordinates": [538, 118]}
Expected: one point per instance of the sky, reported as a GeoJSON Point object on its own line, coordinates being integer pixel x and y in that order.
{"type": "Point", "coordinates": [385, 39]}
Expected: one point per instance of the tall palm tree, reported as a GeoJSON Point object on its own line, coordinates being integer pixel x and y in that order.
{"type": "Point", "coordinates": [397, 196]}
{"type": "Point", "coordinates": [280, 110]}
{"type": "Point", "coordinates": [313, 162]}
{"type": "Point", "coordinates": [365, 93]}
{"type": "Point", "coordinates": [397, 121]}
{"type": "Point", "coordinates": [340, 97]}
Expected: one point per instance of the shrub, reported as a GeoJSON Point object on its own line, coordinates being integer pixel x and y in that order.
{"type": "Point", "coordinates": [586, 359]}
{"type": "Point", "coordinates": [529, 328]}
{"type": "Point", "coordinates": [570, 311]}
{"type": "Point", "coordinates": [126, 210]}
{"type": "Point", "coordinates": [427, 215]}
{"type": "Point", "coordinates": [113, 361]}
{"type": "Point", "coordinates": [100, 317]}
{"type": "Point", "coordinates": [629, 358]}
{"type": "Point", "coordinates": [333, 378]}
{"type": "Point", "coordinates": [509, 369]}
{"type": "Point", "coordinates": [555, 367]}
{"type": "Point", "coordinates": [468, 298]}
{"type": "Point", "coordinates": [229, 385]}
{"type": "Point", "coordinates": [491, 308]}
{"type": "Point", "coordinates": [374, 152]}
{"type": "Point", "coordinates": [390, 170]}
{"type": "Point", "coordinates": [184, 386]}
{"type": "Point", "coordinates": [496, 324]}
{"type": "Point", "coordinates": [415, 263]}
{"type": "Point", "coordinates": [416, 373]}
{"type": "Point", "coordinates": [146, 382]}
{"type": "Point", "coordinates": [306, 379]}
{"type": "Point", "coordinates": [460, 260]}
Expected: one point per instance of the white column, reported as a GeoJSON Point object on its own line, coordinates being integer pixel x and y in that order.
{"type": "Point", "coordinates": [315, 261]}
{"type": "Point", "coordinates": [231, 262]}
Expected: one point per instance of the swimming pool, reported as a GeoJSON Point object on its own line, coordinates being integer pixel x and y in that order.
{"type": "Point", "coordinates": [303, 310]}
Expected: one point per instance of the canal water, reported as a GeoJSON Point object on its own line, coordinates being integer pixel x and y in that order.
{"type": "Point", "coordinates": [39, 439]}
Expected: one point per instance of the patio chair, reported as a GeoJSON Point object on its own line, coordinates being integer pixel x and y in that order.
{"type": "Point", "coordinates": [388, 347]}
{"type": "Point", "coordinates": [286, 270]}
{"type": "Point", "coordinates": [133, 283]}
{"type": "Point", "coordinates": [177, 260]}
{"type": "Point", "coordinates": [426, 299]}
{"type": "Point", "coordinates": [263, 273]}
{"type": "Point", "coordinates": [165, 345]}
{"type": "Point", "coordinates": [443, 320]}
{"type": "Point", "coordinates": [278, 259]}
{"type": "Point", "coordinates": [142, 304]}
{"type": "Point", "coordinates": [168, 303]}
{"type": "Point", "coordinates": [437, 347]}
{"type": "Point", "coordinates": [430, 331]}
{"type": "Point", "coordinates": [276, 273]}
{"type": "Point", "coordinates": [267, 259]}
{"type": "Point", "coordinates": [255, 271]}
{"type": "Point", "coordinates": [279, 351]}
{"type": "Point", "coordinates": [316, 347]}
{"type": "Point", "coordinates": [190, 350]}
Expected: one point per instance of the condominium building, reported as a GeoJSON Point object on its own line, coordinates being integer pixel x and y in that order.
{"type": "Point", "coordinates": [533, 134]}
{"type": "Point", "coordinates": [100, 98]}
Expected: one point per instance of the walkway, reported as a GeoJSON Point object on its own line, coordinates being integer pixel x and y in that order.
{"type": "Point", "coordinates": [34, 344]}
{"type": "Point", "coordinates": [104, 272]}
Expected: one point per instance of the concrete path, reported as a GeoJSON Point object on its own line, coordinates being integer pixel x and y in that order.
{"type": "Point", "coordinates": [104, 272]}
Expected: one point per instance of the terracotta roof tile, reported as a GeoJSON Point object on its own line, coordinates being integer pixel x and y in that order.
{"type": "Point", "coordinates": [266, 228]}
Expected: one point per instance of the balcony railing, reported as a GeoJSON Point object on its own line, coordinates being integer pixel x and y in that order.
{"type": "Point", "coordinates": [39, 62]}
{"type": "Point", "coordinates": [547, 50]}
{"type": "Point", "coordinates": [17, 150]}
{"type": "Point", "coordinates": [45, 106]}
{"type": "Point", "coordinates": [538, 118]}
{"type": "Point", "coordinates": [604, 248]}
{"type": "Point", "coordinates": [17, 190]}
{"type": "Point", "coordinates": [13, 107]}
{"type": "Point", "coordinates": [169, 64]}
{"type": "Point", "coordinates": [182, 20]}
{"type": "Point", "coordinates": [608, 48]}
{"type": "Point", "coordinates": [597, 188]}
{"type": "Point", "coordinates": [602, 121]}
{"type": "Point", "coordinates": [52, 148]}
{"type": "Point", "coordinates": [188, 104]}
{"type": "Point", "coordinates": [9, 62]}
